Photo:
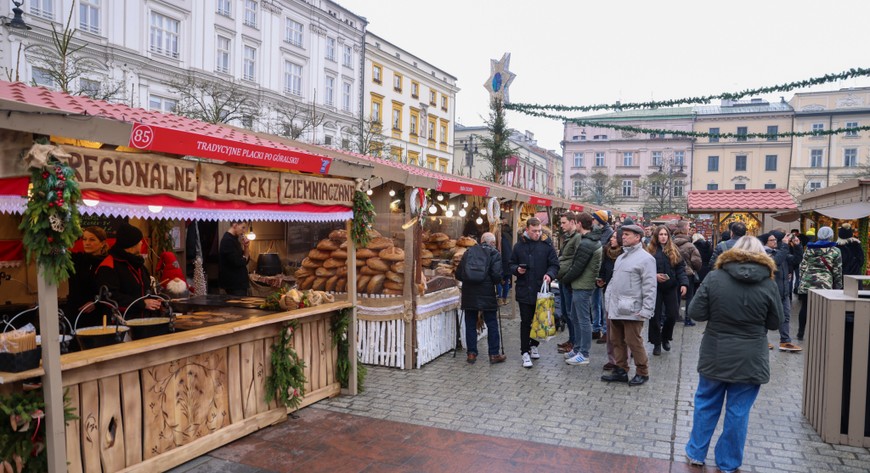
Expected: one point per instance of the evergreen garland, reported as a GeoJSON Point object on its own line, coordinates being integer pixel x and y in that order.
{"type": "Point", "coordinates": [801, 84]}
{"type": "Point", "coordinates": [363, 218]}
{"type": "Point", "coordinates": [288, 376]}
{"type": "Point", "coordinates": [339, 327]}
{"type": "Point", "coordinates": [51, 219]}
{"type": "Point", "coordinates": [22, 431]}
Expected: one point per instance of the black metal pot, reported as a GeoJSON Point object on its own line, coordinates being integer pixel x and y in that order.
{"type": "Point", "coordinates": [269, 264]}
{"type": "Point", "coordinates": [96, 337]}
{"type": "Point", "coordinates": [149, 327]}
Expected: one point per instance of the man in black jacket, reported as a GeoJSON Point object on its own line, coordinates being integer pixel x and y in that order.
{"type": "Point", "coordinates": [738, 229]}
{"type": "Point", "coordinates": [776, 246]}
{"type": "Point", "coordinates": [480, 297]}
{"type": "Point", "coordinates": [534, 262]}
{"type": "Point", "coordinates": [234, 254]}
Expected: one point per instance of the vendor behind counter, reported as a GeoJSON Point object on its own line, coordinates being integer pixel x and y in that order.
{"type": "Point", "coordinates": [124, 273]}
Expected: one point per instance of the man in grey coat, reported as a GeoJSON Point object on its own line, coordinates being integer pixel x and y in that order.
{"type": "Point", "coordinates": [630, 300]}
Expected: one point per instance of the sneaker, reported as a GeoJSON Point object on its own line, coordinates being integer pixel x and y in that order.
{"type": "Point", "coordinates": [534, 353]}
{"type": "Point", "coordinates": [789, 347]}
{"type": "Point", "coordinates": [689, 323]}
{"type": "Point", "coordinates": [694, 462]}
{"type": "Point", "coordinates": [577, 359]}
{"type": "Point", "coordinates": [572, 353]}
{"type": "Point", "coordinates": [527, 361]}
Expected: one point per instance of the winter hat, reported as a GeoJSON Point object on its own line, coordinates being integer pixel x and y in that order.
{"type": "Point", "coordinates": [601, 216]}
{"type": "Point", "coordinates": [845, 232]}
{"type": "Point", "coordinates": [627, 221]}
{"type": "Point", "coordinates": [825, 233]}
{"type": "Point", "coordinates": [633, 229]}
{"type": "Point", "coordinates": [763, 238]}
{"type": "Point", "coordinates": [778, 234]}
{"type": "Point", "coordinates": [127, 236]}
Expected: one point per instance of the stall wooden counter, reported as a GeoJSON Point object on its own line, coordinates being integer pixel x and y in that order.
{"type": "Point", "coordinates": [152, 404]}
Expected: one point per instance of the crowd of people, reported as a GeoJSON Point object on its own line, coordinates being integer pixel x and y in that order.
{"type": "Point", "coordinates": [615, 280]}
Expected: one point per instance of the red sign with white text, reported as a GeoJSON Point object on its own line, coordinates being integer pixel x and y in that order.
{"type": "Point", "coordinates": [461, 188]}
{"type": "Point", "coordinates": [540, 201]}
{"type": "Point", "coordinates": [576, 208]}
{"type": "Point", "coordinates": [167, 140]}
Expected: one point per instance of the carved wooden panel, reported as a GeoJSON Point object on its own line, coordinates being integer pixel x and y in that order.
{"type": "Point", "coordinates": [73, 433]}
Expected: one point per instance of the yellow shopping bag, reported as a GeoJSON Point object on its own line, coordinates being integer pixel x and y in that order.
{"type": "Point", "coordinates": [543, 323]}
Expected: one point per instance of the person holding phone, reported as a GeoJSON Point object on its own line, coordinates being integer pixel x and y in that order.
{"type": "Point", "coordinates": [234, 255]}
{"type": "Point", "coordinates": [672, 284]}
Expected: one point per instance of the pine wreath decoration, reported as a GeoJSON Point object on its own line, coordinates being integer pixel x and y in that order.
{"type": "Point", "coordinates": [338, 326]}
{"type": "Point", "coordinates": [51, 222]}
{"type": "Point", "coordinates": [287, 380]}
{"type": "Point", "coordinates": [363, 218]}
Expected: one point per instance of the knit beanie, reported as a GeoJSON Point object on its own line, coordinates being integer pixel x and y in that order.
{"type": "Point", "coordinates": [601, 216]}
{"type": "Point", "coordinates": [127, 236]}
{"type": "Point", "coordinates": [845, 232]}
{"type": "Point", "coordinates": [778, 234]}
{"type": "Point", "coordinates": [825, 233]}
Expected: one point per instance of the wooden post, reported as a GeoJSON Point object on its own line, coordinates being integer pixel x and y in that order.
{"type": "Point", "coordinates": [352, 387]}
{"type": "Point", "coordinates": [52, 385]}
{"type": "Point", "coordinates": [412, 257]}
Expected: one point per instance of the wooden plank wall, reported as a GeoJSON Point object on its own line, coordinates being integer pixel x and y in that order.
{"type": "Point", "coordinates": [151, 418]}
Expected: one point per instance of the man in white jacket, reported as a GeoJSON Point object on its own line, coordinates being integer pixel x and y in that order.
{"type": "Point", "coordinates": [630, 300]}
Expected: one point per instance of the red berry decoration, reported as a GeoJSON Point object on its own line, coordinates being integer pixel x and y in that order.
{"type": "Point", "coordinates": [50, 239]}
{"type": "Point", "coordinates": [45, 174]}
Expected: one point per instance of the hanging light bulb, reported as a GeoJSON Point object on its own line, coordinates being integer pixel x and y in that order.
{"type": "Point", "coordinates": [449, 213]}
{"type": "Point", "coordinates": [433, 209]}
{"type": "Point", "coordinates": [451, 207]}
{"type": "Point", "coordinates": [465, 205]}
{"type": "Point", "coordinates": [251, 235]}
{"type": "Point", "coordinates": [482, 211]}
{"type": "Point", "coordinates": [440, 197]}
{"type": "Point", "coordinates": [90, 202]}
{"type": "Point", "coordinates": [155, 209]}
{"type": "Point", "coordinates": [392, 193]}
{"type": "Point", "coordinates": [462, 212]}
{"type": "Point", "coordinates": [369, 192]}
{"type": "Point", "coordinates": [478, 221]}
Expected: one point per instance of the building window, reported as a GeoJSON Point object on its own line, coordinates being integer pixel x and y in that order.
{"type": "Point", "coordinates": [89, 16]}
{"type": "Point", "coordinates": [656, 190]}
{"type": "Point", "coordinates": [222, 58]}
{"type": "Point", "coordinates": [161, 104]}
{"type": "Point", "coordinates": [851, 128]}
{"type": "Point", "coordinates": [815, 185]}
{"type": "Point", "coordinates": [42, 77]}
{"type": "Point", "coordinates": [251, 13]}
{"type": "Point", "coordinates": [679, 158]}
{"type": "Point", "coordinates": [599, 159]}
{"type": "Point", "coordinates": [678, 188]}
{"type": "Point", "coordinates": [345, 96]}
{"type": "Point", "coordinates": [626, 187]}
{"type": "Point", "coordinates": [224, 7]}
{"type": "Point", "coordinates": [850, 157]}
{"type": "Point", "coordinates": [42, 8]}
{"type": "Point", "coordinates": [376, 110]}
{"type": "Point", "coordinates": [714, 135]}
{"type": "Point", "coordinates": [397, 118]}
{"type": "Point", "coordinates": [578, 160]}
{"type": "Point", "coordinates": [628, 158]}
{"type": "Point", "coordinates": [89, 87]}
{"type": "Point", "coordinates": [293, 32]}
{"type": "Point", "coordinates": [818, 127]}
{"type": "Point", "coordinates": [376, 73]}
{"type": "Point", "coordinates": [657, 158]}
{"type": "Point", "coordinates": [599, 137]}
{"type": "Point", "coordinates": [330, 49]}
{"type": "Point", "coordinates": [577, 188]}
{"type": "Point", "coordinates": [740, 162]}
{"type": "Point", "coordinates": [249, 66]}
{"type": "Point", "coordinates": [443, 133]}
{"type": "Point", "coordinates": [292, 78]}
{"type": "Point", "coordinates": [431, 130]}
{"type": "Point", "coordinates": [347, 57]}
{"type": "Point", "coordinates": [741, 133]}
{"type": "Point", "coordinates": [770, 185]}
{"type": "Point", "coordinates": [164, 35]}
{"type": "Point", "coordinates": [415, 90]}
{"type": "Point", "coordinates": [397, 82]}
{"type": "Point", "coordinates": [412, 128]}
{"type": "Point", "coordinates": [712, 163]}
{"type": "Point", "coordinates": [712, 187]}
{"type": "Point", "coordinates": [770, 162]}
{"type": "Point", "coordinates": [772, 130]}
{"type": "Point", "coordinates": [432, 97]}
{"type": "Point", "coordinates": [739, 187]}
{"type": "Point", "coordinates": [444, 103]}
{"type": "Point", "coordinates": [816, 158]}
{"type": "Point", "coordinates": [330, 91]}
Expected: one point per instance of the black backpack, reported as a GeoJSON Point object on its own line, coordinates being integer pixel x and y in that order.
{"type": "Point", "coordinates": [476, 265]}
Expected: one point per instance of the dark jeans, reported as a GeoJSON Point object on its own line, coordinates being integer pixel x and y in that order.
{"type": "Point", "coordinates": [802, 315]}
{"type": "Point", "coordinates": [690, 293]}
{"type": "Point", "coordinates": [527, 313]}
{"type": "Point", "coordinates": [490, 318]}
{"type": "Point", "coordinates": [504, 288]}
{"type": "Point", "coordinates": [661, 326]}
{"type": "Point", "coordinates": [565, 295]}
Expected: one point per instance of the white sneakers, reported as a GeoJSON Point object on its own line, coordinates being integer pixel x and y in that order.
{"type": "Point", "coordinates": [577, 359]}
{"type": "Point", "coordinates": [527, 360]}
{"type": "Point", "coordinates": [534, 353]}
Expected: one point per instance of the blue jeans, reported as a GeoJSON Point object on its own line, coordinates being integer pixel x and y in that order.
{"type": "Point", "coordinates": [503, 289]}
{"type": "Point", "coordinates": [599, 324]}
{"type": "Point", "coordinates": [566, 293]}
{"type": "Point", "coordinates": [785, 328]}
{"type": "Point", "coordinates": [491, 320]}
{"type": "Point", "coordinates": [581, 305]}
{"type": "Point", "coordinates": [708, 405]}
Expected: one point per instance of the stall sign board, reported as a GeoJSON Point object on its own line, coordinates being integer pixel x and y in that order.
{"type": "Point", "coordinates": [224, 183]}
{"type": "Point", "coordinates": [576, 208]}
{"type": "Point", "coordinates": [454, 187]}
{"type": "Point", "coordinates": [540, 201]}
{"type": "Point", "coordinates": [298, 188]}
{"type": "Point", "coordinates": [133, 174]}
{"type": "Point", "coordinates": [168, 140]}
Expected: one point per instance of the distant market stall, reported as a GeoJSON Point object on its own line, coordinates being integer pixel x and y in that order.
{"type": "Point", "coordinates": [754, 208]}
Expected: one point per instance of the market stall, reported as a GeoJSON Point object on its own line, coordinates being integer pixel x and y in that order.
{"type": "Point", "coordinates": [754, 208]}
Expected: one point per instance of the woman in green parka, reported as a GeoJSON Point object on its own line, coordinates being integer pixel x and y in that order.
{"type": "Point", "coordinates": [740, 303]}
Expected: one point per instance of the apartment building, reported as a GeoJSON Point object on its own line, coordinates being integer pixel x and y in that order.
{"type": "Point", "coordinates": [827, 160]}
{"type": "Point", "coordinates": [298, 62]}
{"type": "Point", "coordinates": [411, 104]}
{"type": "Point", "coordinates": [742, 162]}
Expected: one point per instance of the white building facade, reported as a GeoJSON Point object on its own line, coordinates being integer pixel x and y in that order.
{"type": "Point", "coordinates": [301, 55]}
{"type": "Point", "coordinates": [414, 104]}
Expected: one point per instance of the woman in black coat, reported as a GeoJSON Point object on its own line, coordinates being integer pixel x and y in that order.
{"type": "Point", "coordinates": [480, 297]}
{"type": "Point", "coordinates": [83, 287]}
{"type": "Point", "coordinates": [706, 251]}
{"type": "Point", "coordinates": [672, 284]}
{"type": "Point", "coordinates": [124, 273]}
{"type": "Point", "coordinates": [850, 249]}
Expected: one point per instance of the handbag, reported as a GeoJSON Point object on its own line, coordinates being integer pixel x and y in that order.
{"type": "Point", "coordinates": [543, 322]}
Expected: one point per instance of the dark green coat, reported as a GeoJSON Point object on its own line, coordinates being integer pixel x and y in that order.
{"type": "Point", "coordinates": [740, 302]}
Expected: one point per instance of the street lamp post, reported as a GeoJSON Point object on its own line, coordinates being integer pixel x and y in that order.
{"type": "Point", "coordinates": [470, 150]}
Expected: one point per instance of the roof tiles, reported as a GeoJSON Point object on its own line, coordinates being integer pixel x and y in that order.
{"type": "Point", "coordinates": [749, 200]}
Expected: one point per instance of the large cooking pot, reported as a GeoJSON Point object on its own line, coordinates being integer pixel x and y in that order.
{"type": "Point", "coordinates": [95, 337]}
{"type": "Point", "coordinates": [149, 327]}
{"type": "Point", "coordinates": [269, 264]}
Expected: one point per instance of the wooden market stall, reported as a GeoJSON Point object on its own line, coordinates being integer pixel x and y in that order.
{"type": "Point", "coordinates": [154, 403]}
{"type": "Point", "coordinates": [753, 207]}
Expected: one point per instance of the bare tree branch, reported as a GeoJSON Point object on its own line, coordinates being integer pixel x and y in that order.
{"type": "Point", "coordinates": [214, 101]}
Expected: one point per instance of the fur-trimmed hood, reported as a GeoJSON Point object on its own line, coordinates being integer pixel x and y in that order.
{"type": "Point", "coordinates": [746, 266]}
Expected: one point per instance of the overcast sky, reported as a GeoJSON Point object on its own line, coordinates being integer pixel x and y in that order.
{"type": "Point", "coordinates": [583, 52]}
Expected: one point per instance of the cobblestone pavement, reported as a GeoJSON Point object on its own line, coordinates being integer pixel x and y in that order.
{"type": "Point", "coordinates": [554, 403]}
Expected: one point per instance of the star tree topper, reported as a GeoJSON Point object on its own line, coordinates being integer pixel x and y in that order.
{"type": "Point", "coordinates": [500, 78]}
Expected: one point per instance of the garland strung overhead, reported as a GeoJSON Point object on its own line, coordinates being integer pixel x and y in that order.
{"type": "Point", "coordinates": [695, 134]}
{"type": "Point", "coordinates": [827, 78]}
